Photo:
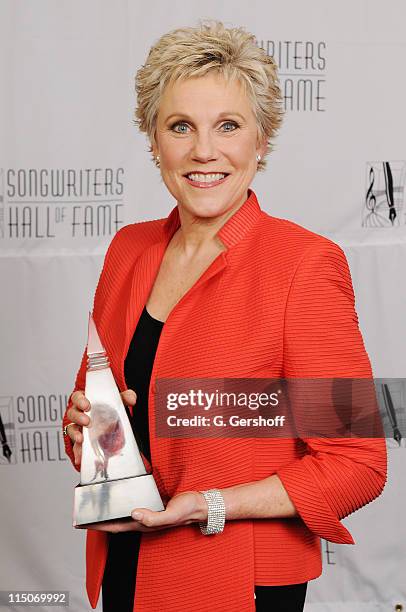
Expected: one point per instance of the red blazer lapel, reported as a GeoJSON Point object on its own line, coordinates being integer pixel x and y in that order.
{"type": "Point", "coordinates": [144, 273]}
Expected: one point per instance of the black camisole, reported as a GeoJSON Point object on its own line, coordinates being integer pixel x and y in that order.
{"type": "Point", "coordinates": [137, 372]}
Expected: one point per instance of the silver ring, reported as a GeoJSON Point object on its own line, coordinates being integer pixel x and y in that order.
{"type": "Point", "coordinates": [65, 429]}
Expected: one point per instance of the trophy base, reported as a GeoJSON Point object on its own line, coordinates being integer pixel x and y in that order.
{"type": "Point", "coordinates": [114, 499]}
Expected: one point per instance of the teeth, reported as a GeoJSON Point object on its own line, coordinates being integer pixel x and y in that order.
{"type": "Point", "coordinates": [205, 178]}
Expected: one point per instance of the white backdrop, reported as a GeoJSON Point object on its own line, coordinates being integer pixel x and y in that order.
{"type": "Point", "coordinates": [73, 170]}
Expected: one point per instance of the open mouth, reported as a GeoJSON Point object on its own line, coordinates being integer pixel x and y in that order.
{"type": "Point", "coordinates": [201, 180]}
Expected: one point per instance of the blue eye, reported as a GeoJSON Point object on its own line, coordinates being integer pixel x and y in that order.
{"type": "Point", "coordinates": [182, 128]}
{"type": "Point", "coordinates": [233, 125]}
{"type": "Point", "coordinates": [180, 124]}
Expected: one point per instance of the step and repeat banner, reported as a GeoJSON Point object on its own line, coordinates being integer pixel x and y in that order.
{"type": "Point", "coordinates": [74, 170]}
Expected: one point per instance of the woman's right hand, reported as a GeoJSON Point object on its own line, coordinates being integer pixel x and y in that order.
{"type": "Point", "coordinates": [76, 414]}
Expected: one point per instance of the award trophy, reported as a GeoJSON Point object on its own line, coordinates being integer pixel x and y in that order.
{"type": "Point", "coordinates": [113, 479]}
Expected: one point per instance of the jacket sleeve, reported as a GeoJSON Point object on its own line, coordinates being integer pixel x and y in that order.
{"type": "Point", "coordinates": [336, 476]}
{"type": "Point", "coordinates": [102, 286]}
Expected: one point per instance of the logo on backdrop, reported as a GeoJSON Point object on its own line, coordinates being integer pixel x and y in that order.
{"type": "Point", "coordinates": [7, 433]}
{"type": "Point", "coordinates": [1, 203]}
{"type": "Point", "coordinates": [328, 553]}
{"type": "Point", "coordinates": [302, 72]}
{"type": "Point", "coordinates": [49, 203]}
{"type": "Point", "coordinates": [31, 428]}
{"type": "Point", "coordinates": [384, 194]}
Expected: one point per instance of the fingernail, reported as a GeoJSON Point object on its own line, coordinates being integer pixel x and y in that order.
{"type": "Point", "coordinates": [137, 516]}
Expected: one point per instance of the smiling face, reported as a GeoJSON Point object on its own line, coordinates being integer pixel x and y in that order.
{"type": "Point", "coordinates": [207, 140]}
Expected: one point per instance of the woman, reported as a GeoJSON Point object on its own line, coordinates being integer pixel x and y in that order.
{"type": "Point", "coordinates": [227, 291]}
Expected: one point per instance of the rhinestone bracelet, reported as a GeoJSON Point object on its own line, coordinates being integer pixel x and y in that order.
{"type": "Point", "coordinates": [216, 514]}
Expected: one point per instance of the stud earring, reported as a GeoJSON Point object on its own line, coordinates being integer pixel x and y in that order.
{"type": "Point", "coordinates": [258, 158]}
{"type": "Point", "coordinates": [157, 161]}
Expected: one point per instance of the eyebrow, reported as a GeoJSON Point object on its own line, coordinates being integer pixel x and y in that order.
{"type": "Point", "coordinates": [220, 116]}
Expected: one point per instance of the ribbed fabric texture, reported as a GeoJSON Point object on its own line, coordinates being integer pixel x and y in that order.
{"type": "Point", "coordinates": [277, 303]}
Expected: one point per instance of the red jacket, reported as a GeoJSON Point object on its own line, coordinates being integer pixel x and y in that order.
{"type": "Point", "coordinates": [278, 302]}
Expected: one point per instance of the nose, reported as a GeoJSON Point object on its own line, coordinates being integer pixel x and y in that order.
{"type": "Point", "coordinates": [204, 148]}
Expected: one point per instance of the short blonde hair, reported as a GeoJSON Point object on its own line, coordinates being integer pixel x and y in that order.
{"type": "Point", "coordinates": [193, 52]}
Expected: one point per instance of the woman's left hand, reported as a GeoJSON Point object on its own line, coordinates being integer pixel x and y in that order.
{"type": "Point", "coordinates": [182, 509]}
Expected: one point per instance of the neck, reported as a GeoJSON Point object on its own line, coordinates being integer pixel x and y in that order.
{"type": "Point", "coordinates": [197, 234]}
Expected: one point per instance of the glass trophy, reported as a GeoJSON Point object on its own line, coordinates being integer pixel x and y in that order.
{"type": "Point", "coordinates": [113, 478]}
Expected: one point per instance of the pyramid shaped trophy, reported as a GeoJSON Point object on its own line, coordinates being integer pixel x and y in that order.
{"type": "Point", "coordinates": [113, 478]}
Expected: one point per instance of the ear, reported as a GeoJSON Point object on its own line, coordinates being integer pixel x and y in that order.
{"type": "Point", "coordinates": [154, 149]}
{"type": "Point", "coordinates": [262, 146]}
{"type": "Point", "coordinates": [154, 146]}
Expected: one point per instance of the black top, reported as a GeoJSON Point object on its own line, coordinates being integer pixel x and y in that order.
{"type": "Point", "coordinates": [137, 371]}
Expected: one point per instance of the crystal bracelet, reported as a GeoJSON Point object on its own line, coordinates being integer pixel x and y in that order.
{"type": "Point", "coordinates": [216, 514]}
